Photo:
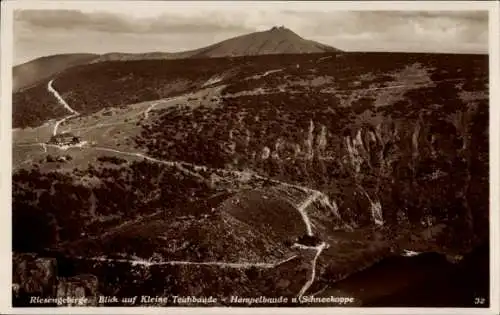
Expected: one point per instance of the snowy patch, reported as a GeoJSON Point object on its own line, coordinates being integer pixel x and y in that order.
{"type": "Point", "coordinates": [266, 152]}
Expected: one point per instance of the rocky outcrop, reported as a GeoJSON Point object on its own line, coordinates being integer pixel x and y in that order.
{"type": "Point", "coordinates": [35, 276]}
{"type": "Point", "coordinates": [80, 286]}
{"type": "Point", "coordinates": [385, 170]}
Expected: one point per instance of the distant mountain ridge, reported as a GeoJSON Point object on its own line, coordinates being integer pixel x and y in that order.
{"type": "Point", "coordinates": [33, 71]}
{"type": "Point", "coordinates": [277, 40]}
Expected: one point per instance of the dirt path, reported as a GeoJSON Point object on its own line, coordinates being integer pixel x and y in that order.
{"type": "Point", "coordinates": [140, 155]}
{"type": "Point", "coordinates": [318, 250]}
{"type": "Point", "coordinates": [156, 103]}
{"type": "Point", "coordinates": [61, 101]}
{"type": "Point", "coordinates": [302, 210]}
{"type": "Point", "coordinates": [223, 264]}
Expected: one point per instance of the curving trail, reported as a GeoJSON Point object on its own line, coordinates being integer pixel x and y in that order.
{"type": "Point", "coordinates": [150, 108]}
{"type": "Point", "coordinates": [56, 126]}
{"type": "Point", "coordinates": [61, 101]}
{"type": "Point", "coordinates": [153, 105]}
{"type": "Point", "coordinates": [318, 250]}
{"type": "Point", "coordinates": [242, 265]}
{"type": "Point", "coordinates": [302, 210]}
{"type": "Point", "coordinates": [59, 98]}
{"type": "Point", "coordinates": [163, 100]}
{"type": "Point", "coordinates": [140, 155]}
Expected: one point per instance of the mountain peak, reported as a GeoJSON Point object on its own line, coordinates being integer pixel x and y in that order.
{"type": "Point", "coordinates": [275, 40]}
{"type": "Point", "coordinates": [279, 28]}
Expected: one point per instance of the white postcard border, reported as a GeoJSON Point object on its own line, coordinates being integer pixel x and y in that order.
{"type": "Point", "coordinates": [6, 147]}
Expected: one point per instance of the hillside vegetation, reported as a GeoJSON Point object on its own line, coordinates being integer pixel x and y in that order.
{"type": "Point", "coordinates": [34, 71]}
{"type": "Point", "coordinates": [372, 152]}
{"type": "Point", "coordinates": [422, 154]}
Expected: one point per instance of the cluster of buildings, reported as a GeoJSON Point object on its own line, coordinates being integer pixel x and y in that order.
{"type": "Point", "coordinates": [65, 138]}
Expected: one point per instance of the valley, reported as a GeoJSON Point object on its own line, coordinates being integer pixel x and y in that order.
{"type": "Point", "coordinates": [274, 175]}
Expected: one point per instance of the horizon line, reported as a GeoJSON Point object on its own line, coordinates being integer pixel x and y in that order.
{"type": "Point", "coordinates": [319, 53]}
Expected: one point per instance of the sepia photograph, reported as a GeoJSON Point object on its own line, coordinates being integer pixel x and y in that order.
{"type": "Point", "coordinates": [247, 155]}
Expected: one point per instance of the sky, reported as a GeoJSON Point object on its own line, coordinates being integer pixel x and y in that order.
{"type": "Point", "coordinates": [172, 27]}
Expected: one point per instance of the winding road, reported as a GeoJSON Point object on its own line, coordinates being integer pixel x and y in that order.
{"type": "Point", "coordinates": [150, 108]}
{"type": "Point", "coordinates": [302, 210]}
{"type": "Point", "coordinates": [61, 101]}
{"type": "Point", "coordinates": [318, 250]}
{"type": "Point", "coordinates": [140, 155]}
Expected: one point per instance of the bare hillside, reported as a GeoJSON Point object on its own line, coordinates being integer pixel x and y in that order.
{"type": "Point", "coordinates": [278, 40]}
{"type": "Point", "coordinates": [31, 72]}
